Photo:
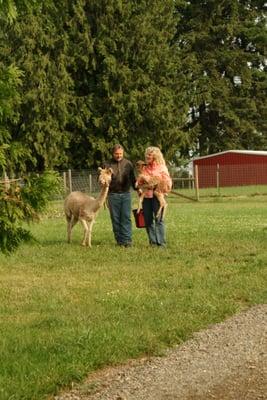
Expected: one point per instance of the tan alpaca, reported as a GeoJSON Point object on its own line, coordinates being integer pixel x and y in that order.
{"type": "Point", "coordinates": [145, 182]}
{"type": "Point", "coordinates": [79, 206]}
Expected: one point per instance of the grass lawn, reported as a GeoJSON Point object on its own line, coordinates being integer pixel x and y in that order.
{"type": "Point", "coordinates": [67, 310]}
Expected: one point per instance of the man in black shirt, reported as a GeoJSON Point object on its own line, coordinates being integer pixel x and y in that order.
{"type": "Point", "coordinates": [119, 196]}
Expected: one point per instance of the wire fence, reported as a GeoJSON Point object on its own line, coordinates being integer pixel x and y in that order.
{"type": "Point", "coordinates": [206, 181]}
{"type": "Point", "coordinates": [231, 180]}
{"type": "Point", "coordinates": [80, 180]}
{"type": "Point", "coordinates": [87, 181]}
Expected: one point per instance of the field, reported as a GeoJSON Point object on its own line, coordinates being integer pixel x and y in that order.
{"type": "Point", "coordinates": [66, 310]}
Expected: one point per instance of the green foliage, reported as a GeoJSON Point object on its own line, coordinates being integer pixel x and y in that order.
{"type": "Point", "coordinates": [183, 75]}
{"type": "Point", "coordinates": [223, 49]}
{"type": "Point", "coordinates": [39, 189]}
{"type": "Point", "coordinates": [8, 10]}
{"type": "Point", "coordinates": [18, 203]}
{"type": "Point", "coordinates": [12, 212]}
{"type": "Point", "coordinates": [95, 74]}
{"type": "Point", "coordinates": [11, 237]}
{"type": "Point", "coordinates": [10, 79]}
{"type": "Point", "coordinates": [133, 79]}
{"type": "Point", "coordinates": [40, 41]}
{"type": "Point", "coordinates": [22, 202]}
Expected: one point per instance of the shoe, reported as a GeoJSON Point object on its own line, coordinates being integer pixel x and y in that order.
{"type": "Point", "coordinates": [124, 244]}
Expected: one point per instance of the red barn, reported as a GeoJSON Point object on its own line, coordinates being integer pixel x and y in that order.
{"type": "Point", "coordinates": [232, 168]}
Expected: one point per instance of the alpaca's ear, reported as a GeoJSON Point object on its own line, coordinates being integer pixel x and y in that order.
{"type": "Point", "coordinates": [99, 169]}
{"type": "Point", "coordinates": [110, 170]}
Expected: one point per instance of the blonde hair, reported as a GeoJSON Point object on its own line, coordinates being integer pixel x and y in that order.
{"type": "Point", "coordinates": [157, 154]}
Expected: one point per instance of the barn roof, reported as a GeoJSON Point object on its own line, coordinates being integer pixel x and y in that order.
{"type": "Point", "coordinates": [247, 152]}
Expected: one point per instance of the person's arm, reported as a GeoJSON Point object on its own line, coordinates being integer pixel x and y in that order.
{"type": "Point", "coordinates": [167, 180]}
{"type": "Point", "coordinates": [132, 178]}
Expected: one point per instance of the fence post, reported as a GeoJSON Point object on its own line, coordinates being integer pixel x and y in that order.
{"type": "Point", "coordinates": [192, 181]}
{"type": "Point", "coordinates": [90, 183]}
{"type": "Point", "coordinates": [65, 182]}
{"type": "Point", "coordinates": [70, 180]}
{"type": "Point", "coordinates": [218, 179]}
{"type": "Point", "coordinates": [196, 182]}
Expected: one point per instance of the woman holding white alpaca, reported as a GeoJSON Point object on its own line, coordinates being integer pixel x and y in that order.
{"type": "Point", "coordinates": [155, 167]}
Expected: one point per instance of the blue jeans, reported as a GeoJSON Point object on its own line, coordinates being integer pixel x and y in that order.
{"type": "Point", "coordinates": [155, 227]}
{"type": "Point", "coordinates": [120, 208]}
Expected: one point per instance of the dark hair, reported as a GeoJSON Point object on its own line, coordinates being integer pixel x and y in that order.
{"type": "Point", "coordinates": [117, 147]}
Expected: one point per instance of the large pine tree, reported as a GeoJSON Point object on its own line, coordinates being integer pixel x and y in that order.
{"type": "Point", "coordinates": [126, 78]}
{"type": "Point", "coordinates": [96, 73]}
{"type": "Point", "coordinates": [223, 48]}
{"type": "Point", "coordinates": [38, 45]}
{"type": "Point", "coordinates": [100, 72]}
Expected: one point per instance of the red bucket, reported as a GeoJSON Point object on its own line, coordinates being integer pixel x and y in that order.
{"type": "Point", "coordinates": [139, 218]}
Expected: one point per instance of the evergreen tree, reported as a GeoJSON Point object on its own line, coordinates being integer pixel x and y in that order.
{"type": "Point", "coordinates": [18, 203]}
{"type": "Point", "coordinates": [96, 73]}
{"type": "Point", "coordinates": [126, 74]}
{"type": "Point", "coordinates": [222, 43]}
{"type": "Point", "coordinates": [37, 43]}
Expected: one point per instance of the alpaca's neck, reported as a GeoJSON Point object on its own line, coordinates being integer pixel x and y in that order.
{"type": "Point", "coordinates": [102, 195]}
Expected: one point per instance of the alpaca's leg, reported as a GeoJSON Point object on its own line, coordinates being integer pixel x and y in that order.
{"type": "Point", "coordinates": [68, 229]}
{"type": "Point", "coordinates": [141, 198]}
{"type": "Point", "coordinates": [89, 233]}
{"type": "Point", "coordinates": [164, 210]}
{"type": "Point", "coordinates": [159, 197]}
{"type": "Point", "coordinates": [158, 215]}
{"type": "Point", "coordinates": [86, 229]}
{"type": "Point", "coordinates": [71, 221]}
{"type": "Point", "coordinates": [162, 203]}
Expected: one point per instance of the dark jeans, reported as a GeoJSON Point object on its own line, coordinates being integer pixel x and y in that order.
{"type": "Point", "coordinates": [155, 227]}
{"type": "Point", "coordinates": [120, 207]}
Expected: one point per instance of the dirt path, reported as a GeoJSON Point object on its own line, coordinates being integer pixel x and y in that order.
{"type": "Point", "coordinates": [228, 361]}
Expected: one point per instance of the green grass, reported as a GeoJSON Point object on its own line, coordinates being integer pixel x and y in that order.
{"type": "Point", "coordinates": [67, 310]}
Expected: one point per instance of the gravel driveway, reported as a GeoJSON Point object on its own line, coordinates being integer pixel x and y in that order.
{"type": "Point", "coordinates": [228, 361]}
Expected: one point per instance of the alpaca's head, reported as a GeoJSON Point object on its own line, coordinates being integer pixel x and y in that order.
{"type": "Point", "coordinates": [140, 166]}
{"type": "Point", "coordinates": [105, 175]}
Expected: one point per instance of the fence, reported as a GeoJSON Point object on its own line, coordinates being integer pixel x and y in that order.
{"type": "Point", "coordinates": [229, 175]}
{"type": "Point", "coordinates": [219, 180]}
{"type": "Point", "coordinates": [6, 182]}
{"type": "Point", "coordinates": [237, 179]}
{"type": "Point", "coordinates": [87, 181]}
{"type": "Point", "coordinates": [81, 180]}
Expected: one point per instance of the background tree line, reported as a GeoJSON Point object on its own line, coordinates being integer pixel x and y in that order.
{"type": "Point", "coordinates": [78, 76]}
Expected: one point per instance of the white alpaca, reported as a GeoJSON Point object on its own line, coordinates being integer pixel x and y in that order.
{"type": "Point", "coordinates": [79, 206]}
{"type": "Point", "coordinates": [146, 182]}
